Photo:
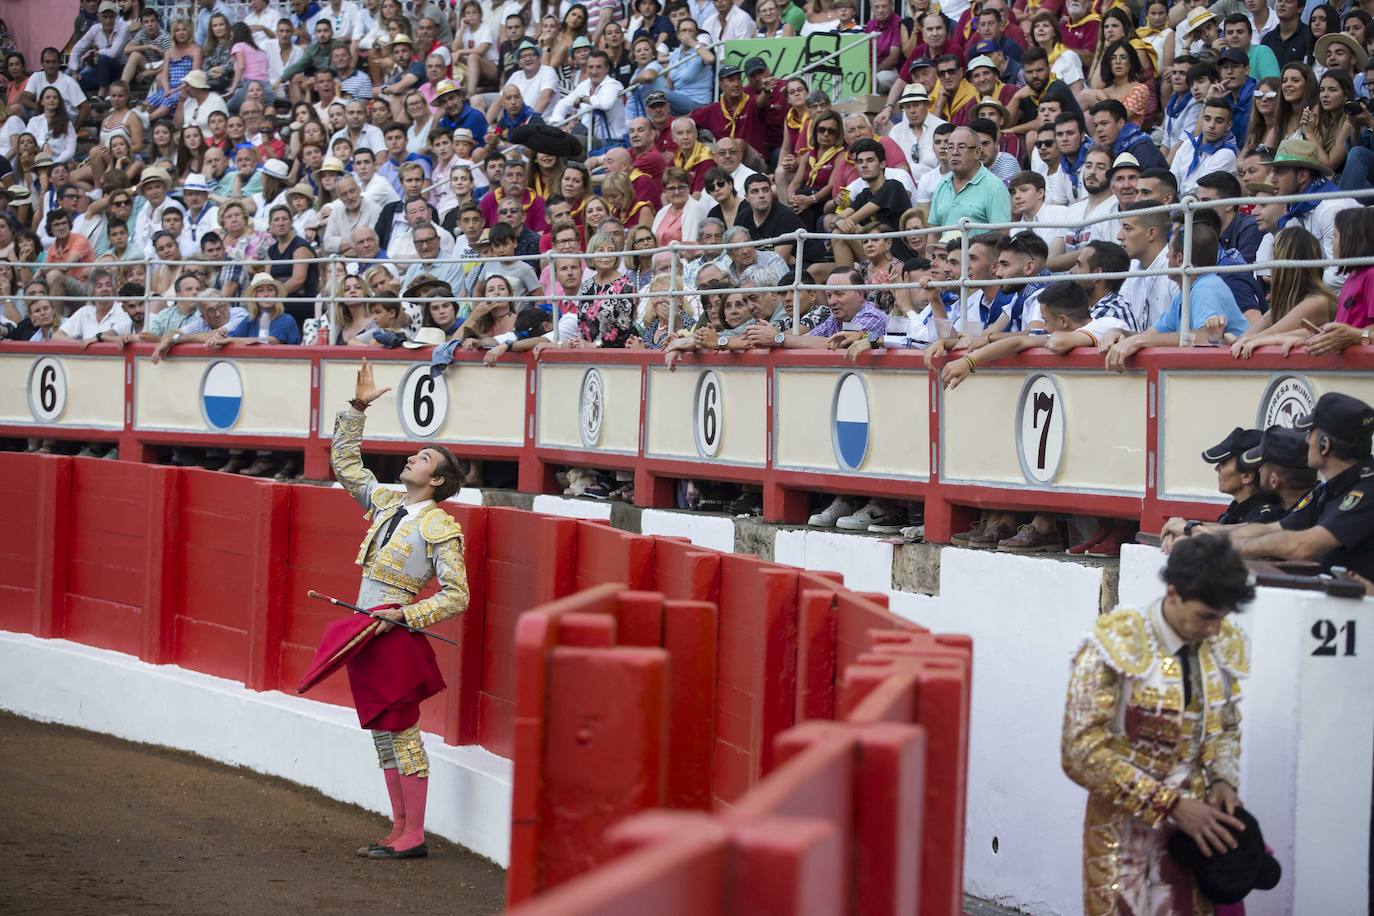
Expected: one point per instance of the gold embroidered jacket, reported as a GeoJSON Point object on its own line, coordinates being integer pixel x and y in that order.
{"type": "Point", "coordinates": [425, 545]}
{"type": "Point", "coordinates": [1127, 736]}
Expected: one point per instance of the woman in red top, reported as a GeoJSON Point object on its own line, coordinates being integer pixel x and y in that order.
{"type": "Point", "coordinates": [575, 185]}
{"type": "Point", "coordinates": [810, 187]}
{"type": "Point", "coordinates": [796, 131]}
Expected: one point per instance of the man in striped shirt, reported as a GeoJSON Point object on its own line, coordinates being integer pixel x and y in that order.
{"type": "Point", "coordinates": [353, 82]}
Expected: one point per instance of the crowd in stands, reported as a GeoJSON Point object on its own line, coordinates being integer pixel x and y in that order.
{"type": "Point", "coordinates": [378, 174]}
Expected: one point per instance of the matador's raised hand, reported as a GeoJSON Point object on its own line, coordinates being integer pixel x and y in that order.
{"type": "Point", "coordinates": [366, 389]}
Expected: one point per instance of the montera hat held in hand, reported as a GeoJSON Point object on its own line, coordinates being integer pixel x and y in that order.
{"type": "Point", "coordinates": [1230, 876]}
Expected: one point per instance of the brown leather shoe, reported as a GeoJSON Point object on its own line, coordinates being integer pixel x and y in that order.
{"type": "Point", "coordinates": [990, 536]}
{"type": "Point", "coordinates": [1029, 540]}
{"type": "Point", "coordinates": [964, 537]}
{"type": "Point", "coordinates": [263, 467]}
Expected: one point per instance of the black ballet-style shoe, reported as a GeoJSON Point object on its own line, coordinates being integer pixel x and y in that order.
{"type": "Point", "coordinates": [387, 852]}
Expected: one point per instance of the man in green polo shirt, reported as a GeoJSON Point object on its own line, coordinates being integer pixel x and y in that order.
{"type": "Point", "coordinates": [969, 189]}
{"type": "Point", "coordinates": [792, 15]}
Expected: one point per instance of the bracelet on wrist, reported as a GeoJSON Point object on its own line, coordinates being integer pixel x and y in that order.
{"type": "Point", "coordinates": [358, 405]}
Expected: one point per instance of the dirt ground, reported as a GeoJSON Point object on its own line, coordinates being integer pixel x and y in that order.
{"type": "Point", "coordinates": [92, 824]}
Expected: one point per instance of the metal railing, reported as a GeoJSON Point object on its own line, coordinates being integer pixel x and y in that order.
{"type": "Point", "coordinates": [967, 229]}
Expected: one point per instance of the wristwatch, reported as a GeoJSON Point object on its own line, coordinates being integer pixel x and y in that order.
{"type": "Point", "coordinates": [176, 338]}
{"type": "Point", "coordinates": [722, 341]}
{"type": "Point", "coordinates": [1364, 337]}
{"type": "Point", "coordinates": [99, 336]}
{"type": "Point", "coordinates": [779, 338]}
{"type": "Point", "coordinates": [1188, 528]}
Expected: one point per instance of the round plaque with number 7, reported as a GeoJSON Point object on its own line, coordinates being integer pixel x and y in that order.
{"type": "Point", "coordinates": [1040, 429]}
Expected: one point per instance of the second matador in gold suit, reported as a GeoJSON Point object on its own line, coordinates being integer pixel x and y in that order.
{"type": "Point", "coordinates": [1141, 742]}
{"type": "Point", "coordinates": [409, 541]}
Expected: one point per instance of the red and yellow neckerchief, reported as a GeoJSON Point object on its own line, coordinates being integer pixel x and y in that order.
{"type": "Point", "coordinates": [1058, 49]}
{"type": "Point", "coordinates": [801, 126]}
{"type": "Point", "coordinates": [1048, 83]}
{"type": "Point", "coordinates": [962, 96]}
{"type": "Point", "coordinates": [1086, 20]}
{"type": "Point", "coordinates": [540, 187]}
{"type": "Point", "coordinates": [699, 154]}
{"type": "Point", "coordinates": [819, 160]}
{"type": "Point", "coordinates": [631, 217]}
{"type": "Point", "coordinates": [732, 118]}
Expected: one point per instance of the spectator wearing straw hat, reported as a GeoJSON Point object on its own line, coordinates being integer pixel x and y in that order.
{"type": "Point", "coordinates": [266, 321]}
{"type": "Point", "coordinates": [274, 175]}
{"type": "Point", "coordinates": [202, 214]}
{"type": "Point", "coordinates": [1340, 51]}
{"type": "Point", "coordinates": [915, 131]}
{"type": "Point", "coordinates": [200, 102]}
{"type": "Point", "coordinates": [152, 199]}
{"type": "Point", "coordinates": [1297, 169]}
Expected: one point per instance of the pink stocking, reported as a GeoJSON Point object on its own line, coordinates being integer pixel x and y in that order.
{"type": "Point", "coordinates": [398, 806]}
{"type": "Point", "coordinates": [414, 789]}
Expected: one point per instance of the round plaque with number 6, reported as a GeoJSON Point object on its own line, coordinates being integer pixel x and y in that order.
{"type": "Point", "coordinates": [1040, 429]}
{"type": "Point", "coordinates": [423, 402]}
{"type": "Point", "coordinates": [47, 390]}
{"type": "Point", "coordinates": [709, 416]}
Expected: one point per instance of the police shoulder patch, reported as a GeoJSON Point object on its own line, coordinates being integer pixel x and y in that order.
{"type": "Point", "coordinates": [1351, 500]}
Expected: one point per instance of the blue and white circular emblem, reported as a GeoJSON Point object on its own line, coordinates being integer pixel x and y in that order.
{"type": "Point", "coordinates": [221, 394]}
{"type": "Point", "coordinates": [849, 421]}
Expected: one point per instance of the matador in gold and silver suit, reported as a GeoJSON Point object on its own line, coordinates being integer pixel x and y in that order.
{"type": "Point", "coordinates": [404, 548]}
{"type": "Point", "coordinates": [1131, 740]}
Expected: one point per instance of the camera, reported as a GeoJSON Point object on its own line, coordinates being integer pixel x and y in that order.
{"type": "Point", "coordinates": [1355, 106]}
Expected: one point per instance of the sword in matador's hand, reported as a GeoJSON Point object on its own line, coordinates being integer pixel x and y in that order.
{"type": "Point", "coordinates": [357, 610]}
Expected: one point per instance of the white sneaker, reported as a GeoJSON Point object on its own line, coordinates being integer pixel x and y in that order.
{"type": "Point", "coordinates": [826, 517]}
{"type": "Point", "coordinates": [861, 520]}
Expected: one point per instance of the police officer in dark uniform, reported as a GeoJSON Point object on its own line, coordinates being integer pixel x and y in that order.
{"type": "Point", "coordinates": [1236, 479]}
{"type": "Point", "coordinates": [1333, 524]}
{"type": "Point", "coordinates": [1240, 480]}
{"type": "Point", "coordinates": [1280, 461]}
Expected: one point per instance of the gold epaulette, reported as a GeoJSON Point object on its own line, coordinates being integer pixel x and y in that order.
{"type": "Point", "coordinates": [1232, 649]}
{"type": "Point", "coordinates": [383, 498]}
{"type": "Point", "coordinates": [1123, 636]}
{"type": "Point", "coordinates": [437, 526]}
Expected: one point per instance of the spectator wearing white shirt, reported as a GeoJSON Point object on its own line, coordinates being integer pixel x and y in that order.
{"type": "Point", "coordinates": [98, 56]}
{"type": "Point", "coordinates": [1028, 205]}
{"type": "Point", "coordinates": [52, 128]}
{"type": "Point", "coordinates": [915, 133]}
{"type": "Point", "coordinates": [375, 187]}
{"type": "Point", "coordinates": [727, 22]}
{"type": "Point", "coordinates": [925, 187]}
{"type": "Point", "coordinates": [153, 199]}
{"type": "Point", "coordinates": [537, 82]}
{"type": "Point", "coordinates": [1099, 202]}
{"type": "Point", "coordinates": [348, 213]}
{"type": "Point", "coordinates": [200, 102]}
{"type": "Point", "coordinates": [78, 107]}
{"type": "Point", "coordinates": [202, 214]}
{"type": "Point", "coordinates": [1145, 237]}
{"type": "Point", "coordinates": [357, 130]}
{"type": "Point", "coordinates": [262, 18]}
{"type": "Point", "coordinates": [346, 17]}
{"type": "Point", "coordinates": [98, 318]}
{"type": "Point", "coordinates": [1212, 149]}
{"type": "Point", "coordinates": [597, 100]}
{"type": "Point", "coordinates": [282, 50]}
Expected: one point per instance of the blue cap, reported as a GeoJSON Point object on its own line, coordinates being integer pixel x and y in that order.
{"type": "Point", "coordinates": [983, 47]}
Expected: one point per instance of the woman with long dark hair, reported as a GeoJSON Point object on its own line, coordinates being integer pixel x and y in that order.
{"type": "Point", "coordinates": [1296, 294]}
{"type": "Point", "coordinates": [52, 128]}
{"type": "Point", "coordinates": [1297, 93]}
{"type": "Point", "coordinates": [1121, 78]}
{"type": "Point", "coordinates": [1328, 125]}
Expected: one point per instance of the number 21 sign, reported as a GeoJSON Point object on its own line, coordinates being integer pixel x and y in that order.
{"type": "Point", "coordinates": [1040, 429]}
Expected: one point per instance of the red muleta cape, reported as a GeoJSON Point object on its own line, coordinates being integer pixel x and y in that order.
{"type": "Point", "coordinates": [389, 675]}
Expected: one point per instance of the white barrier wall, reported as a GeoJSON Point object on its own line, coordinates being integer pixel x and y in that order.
{"type": "Point", "coordinates": [314, 744]}
{"type": "Point", "coordinates": [61, 390]}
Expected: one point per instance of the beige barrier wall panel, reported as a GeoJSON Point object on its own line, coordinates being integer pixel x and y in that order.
{"type": "Point", "coordinates": [741, 415]}
{"type": "Point", "coordinates": [275, 398]}
{"type": "Point", "coordinates": [1200, 408]}
{"type": "Point", "coordinates": [1104, 424]}
{"type": "Point", "coordinates": [92, 391]}
{"type": "Point", "coordinates": [485, 405]}
{"type": "Point", "coordinates": [559, 398]}
{"type": "Point", "coordinates": [898, 414]}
